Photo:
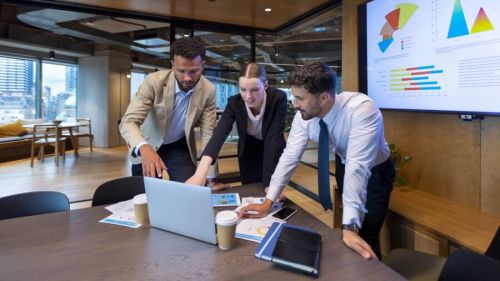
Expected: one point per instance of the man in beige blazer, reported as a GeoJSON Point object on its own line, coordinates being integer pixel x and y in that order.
{"type": "Point", "coordinates": [158, 125]}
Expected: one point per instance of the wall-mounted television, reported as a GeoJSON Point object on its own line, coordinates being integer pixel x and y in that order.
{"type": "Point", "coordinates": [431, 55]}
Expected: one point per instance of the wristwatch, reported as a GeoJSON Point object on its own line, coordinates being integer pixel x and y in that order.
{"type": "Point", "coordinates": [351, 227]}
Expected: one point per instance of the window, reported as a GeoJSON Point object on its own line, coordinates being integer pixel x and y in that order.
{"type": "Point", "coordinates": [226, 54]}
{"type": "Point", "coordinates": [19, 98]}
{"type": "Point", "coordinates": [58, 91]}
{"type": "Point", "coordinates": [137, 77]}
{"type": "Point", "coordinates": [17, 89]}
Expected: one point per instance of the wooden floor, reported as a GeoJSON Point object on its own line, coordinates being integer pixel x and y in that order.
{"type": "Point", "coordinates": [79, 177]}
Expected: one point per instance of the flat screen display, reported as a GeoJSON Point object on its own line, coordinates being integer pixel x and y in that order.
{"type": "Point", "coordinates": [434, 55]}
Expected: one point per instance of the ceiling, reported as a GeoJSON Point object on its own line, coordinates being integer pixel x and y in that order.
{"type": "Point", "coordinates": [248, 13]}
{"type": "Point", "coordinates": [77, 34]}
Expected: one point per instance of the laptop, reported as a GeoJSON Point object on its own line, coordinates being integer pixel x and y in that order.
{"type": "Point", "coordinates": [181, 208]}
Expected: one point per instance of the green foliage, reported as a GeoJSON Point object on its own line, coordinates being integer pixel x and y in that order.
{"type": "Point", "coordinates": [290, 113]}
{"type": "Point", "coordinates": [399, 162]}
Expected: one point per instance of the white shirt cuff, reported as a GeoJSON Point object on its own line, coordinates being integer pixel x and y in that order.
{"type": "Point", "coordinates": [273, 193]}
{"type": "Point", "coordinates": [136, 148]}
{"type": "Point", "coordinates": [352, 215]}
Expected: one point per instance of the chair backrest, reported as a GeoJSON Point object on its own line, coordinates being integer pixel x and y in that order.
{"type": "Point", "coordinates": [43, 131]}
{"type": "Point", "coordinates": [464, 266]}
{"type": "Point", "coordinates": [494, 248]}
{"type": "Point", "coordinates": [33, 203]}
{"type": "Point", "coordinates": [84, 123]}
{"type": "Point", "coordinates": [117, 190]}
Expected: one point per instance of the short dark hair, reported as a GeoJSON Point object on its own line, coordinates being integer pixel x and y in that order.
{"type": "Point", "coordinates": [316, 77]}
{"type": "Point", "coordinates": [187, 47]}
{"type": "Point", "coordinates": [254, 70]}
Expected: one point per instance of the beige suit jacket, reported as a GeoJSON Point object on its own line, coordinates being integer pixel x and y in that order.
{"type": "Point", "coordinates": [149, 113]}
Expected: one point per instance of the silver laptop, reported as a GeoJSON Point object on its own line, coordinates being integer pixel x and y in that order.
{"type": "Point", "coordinates": [181, 208]}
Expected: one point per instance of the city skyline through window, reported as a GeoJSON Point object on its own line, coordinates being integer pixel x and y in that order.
{"type": "Point", "coordinates": [18, 90]}
{"type": "Point", "coordinates": [58, 91]}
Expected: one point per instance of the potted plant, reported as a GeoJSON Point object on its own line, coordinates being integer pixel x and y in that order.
{"type": "Point", "coordinates": [399, 162]}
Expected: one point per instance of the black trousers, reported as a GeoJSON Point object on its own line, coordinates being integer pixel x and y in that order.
{"type": "Point", "coordinates": [251, 161]}
{"type": "Point", "coordinates": [176, 157]}
{"type": "Point", "coordinates": [377, 200]}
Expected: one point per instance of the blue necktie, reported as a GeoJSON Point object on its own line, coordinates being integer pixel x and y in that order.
{"type": "Point", "coordinates": [324, 167]}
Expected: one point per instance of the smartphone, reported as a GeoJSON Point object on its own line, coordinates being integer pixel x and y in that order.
{"type": "Point", "coordinates": [285, 213]}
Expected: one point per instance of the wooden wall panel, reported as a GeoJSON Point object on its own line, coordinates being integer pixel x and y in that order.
{"type": "Point", "coordinates": [350, 45]}
{"type": "Point", "coordinates": [445, 151]}
{"type": "Point", "coordinates": [490, 165]}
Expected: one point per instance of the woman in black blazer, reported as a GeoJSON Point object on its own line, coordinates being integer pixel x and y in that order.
{"type": "Point", "coordinates": [259, 112]}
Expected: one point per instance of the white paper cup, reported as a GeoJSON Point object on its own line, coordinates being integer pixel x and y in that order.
{"type": "Point", "coordinates": [226, 229]}
{"type": "Point", "coordinates": [141, 209]}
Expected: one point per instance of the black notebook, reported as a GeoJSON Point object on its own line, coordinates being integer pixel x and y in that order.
{"type": "Point", "coordinates": [293, 247]}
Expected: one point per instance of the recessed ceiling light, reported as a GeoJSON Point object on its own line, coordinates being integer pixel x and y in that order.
{"type": "Point", "coordinates": [319, 29]}
{"type": "Point", "coordinates": [267, 9]}
{"type": "Point", "coordinates": [186, 35]}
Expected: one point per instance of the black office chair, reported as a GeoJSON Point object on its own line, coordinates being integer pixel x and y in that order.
{"type": "Point", "coordinates": [117, 190]}
{"type": "Point", "coordinates": [414, 265]}
{"type": "Point", "coordinates": [32, 203]}
{"type": "Point", "coordinates": [464, 266]}
{"type": "Point", "coordinates": [417, 266]}
{"type": "Point", "coordinates": [493, 250]}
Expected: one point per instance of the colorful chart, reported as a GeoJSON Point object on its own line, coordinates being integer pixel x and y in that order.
{"type": "Point", "coordinates": [458, 25]}
{"type": "Point", "coordinates": [482, 23]}
{"type": "Point", "coordinates": [419, 78]}
{"type": "Point", "coordinates": [395, 20]}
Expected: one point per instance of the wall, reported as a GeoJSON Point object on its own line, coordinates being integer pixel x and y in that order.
{"type": "Point", "coordinates": [451, 158]}
{"type": "Point", "coordinates": [92, 98]}
{"type": "Point", "coordinates": [104, 94]}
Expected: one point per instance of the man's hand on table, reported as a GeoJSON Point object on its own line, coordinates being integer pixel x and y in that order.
{"type": "Point", "coordinates": [152, 164]}
{"type": "Point", "coordinates": [256, 210]}
{"type": "Point", "coordinates": [356, 243]}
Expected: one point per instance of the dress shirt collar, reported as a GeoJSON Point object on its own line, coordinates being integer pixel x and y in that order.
{"type": "Point", "coordinates": [178, 89]}
{"type": "Point", "coordinates": [330, 117]}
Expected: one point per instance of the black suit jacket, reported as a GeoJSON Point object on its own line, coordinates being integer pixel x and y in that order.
{"type": "Point", "coordinates": [273, 126]}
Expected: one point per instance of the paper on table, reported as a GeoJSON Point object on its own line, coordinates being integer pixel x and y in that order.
{"type": "Point", "coordinates": [254, 229]}
{"type": "Point", "coordinates": [258, 200]}
{"type": "Point", "coordinates": [122, 214]}
{"type": "Point", "coordinates": [120, 220]}
{"type": "Point", "coordinates": [124, 207]}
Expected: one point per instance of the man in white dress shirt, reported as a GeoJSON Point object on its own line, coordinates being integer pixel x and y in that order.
{"type": "Point", "coordinates": [364, 171]}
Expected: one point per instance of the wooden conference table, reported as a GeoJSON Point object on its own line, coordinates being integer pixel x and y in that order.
{"type": "Point", "coordinates": [75, 246]}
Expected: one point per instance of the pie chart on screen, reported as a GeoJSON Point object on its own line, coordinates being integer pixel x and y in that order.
{"type": "Point", "coordinates": [395, 20]}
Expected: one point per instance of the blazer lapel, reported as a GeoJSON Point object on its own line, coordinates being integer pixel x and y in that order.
{"type": "Point", "coordinates": [194, 104]}
{"type": "Point", "coordinates": [169, 96]}
{"type": "Point", "coordinates": [243, 115]}
{"type": "Point", "coordinates": [267, 111]}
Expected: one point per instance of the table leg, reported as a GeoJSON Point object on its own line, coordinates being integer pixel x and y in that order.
{"type": "Point", "coordinates": [74, 141]}
{"type": "Point", "coordinates": [58, 133]}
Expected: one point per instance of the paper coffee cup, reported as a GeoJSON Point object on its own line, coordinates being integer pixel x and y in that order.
{"type": "Point", "coordinates": [141, 209]}
{"type": "Point", "coordinates": [226, 228]}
